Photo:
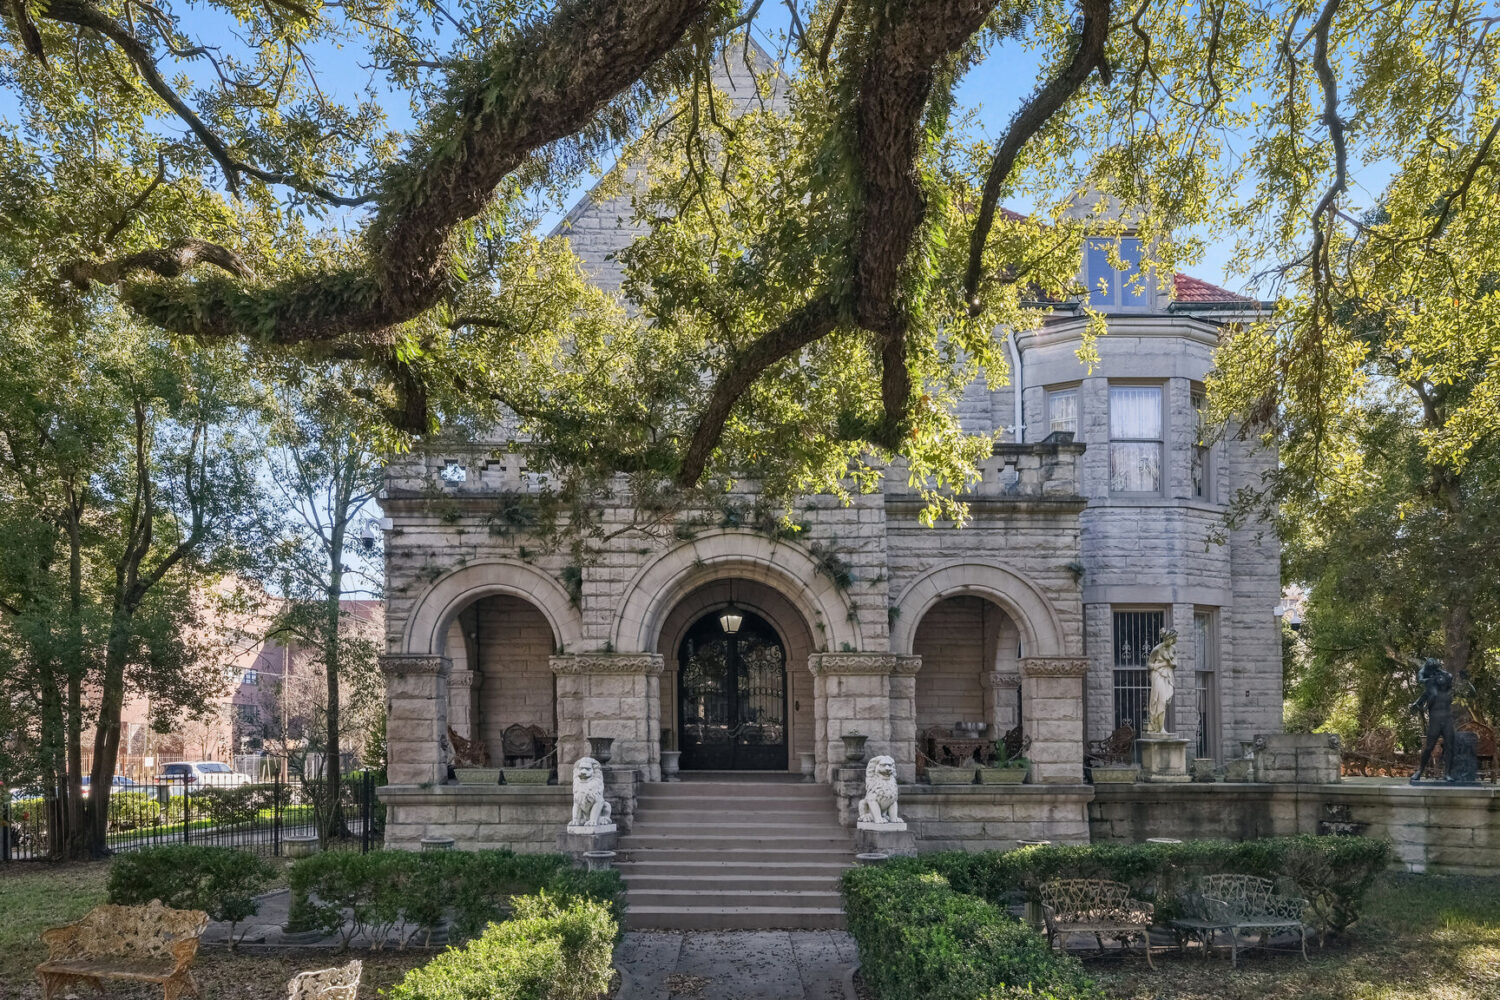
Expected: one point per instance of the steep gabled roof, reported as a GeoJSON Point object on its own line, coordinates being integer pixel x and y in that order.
{"type": "Point", "coordinates": [1186, 288]}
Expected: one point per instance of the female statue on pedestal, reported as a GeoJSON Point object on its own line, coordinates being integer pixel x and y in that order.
{"type": "Point", "coordinates": [1162, 664]}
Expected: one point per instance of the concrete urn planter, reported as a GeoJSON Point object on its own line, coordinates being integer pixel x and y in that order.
{"type": "Point", "coordinates": [477, 775]}
{"type": "Point", "coordinates": [938, 774]}
{"type": "Point", "coordinates": [1116, 774]}
{"type": "Point", "coordinates": [854, 747]}
{"type": "Point", "coordinates": [1011, 775]}
{"type": "Point", "coordinates": [671, 764]}
{"type": "Point", "coordinates": [527, 775]}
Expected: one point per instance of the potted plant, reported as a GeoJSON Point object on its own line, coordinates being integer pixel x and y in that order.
{"type": "Point", "coordinates": [1005, 770]}
{"type": "Point", "coordinates": [538, 773]}
{"type": "Point", "coordinates": [854, 746]}
{"type": "Point", "coordinates": [471, 762]}
{"type": "Point", "coordinates": [943, 774]}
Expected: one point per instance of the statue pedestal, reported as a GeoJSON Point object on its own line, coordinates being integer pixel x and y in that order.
{"type": "Point", "coordinates": [1163, 757]}
{"type": "Point", "coordinates": [578, 841]}
{"type": "Point", "coordinates": [884, 838]}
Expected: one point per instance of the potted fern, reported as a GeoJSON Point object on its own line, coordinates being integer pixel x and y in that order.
{"type": "Point", "coordinates": [1005, 769]}
{"type": "Point", "coordinates": [471, 762]}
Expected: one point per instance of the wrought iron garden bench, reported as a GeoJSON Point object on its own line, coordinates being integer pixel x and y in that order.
{"type": "Point", "coordinates": [339, 983]}
{"type": "Point", "coordinates": [1098, 907]}
{"type": "Point", "coordinates": [151, 943]}
{"type": "Point", "coordinates": [1236, 903]}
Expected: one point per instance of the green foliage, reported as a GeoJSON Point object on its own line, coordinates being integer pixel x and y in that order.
{"type": "Point", "coordinates": [128, 810]}
{"type": "Point", "coordinates": [221, 881]}
{"type": "Point", "coordinates": [919, 938]}
{"type": "Point", "coordinates": [1332, 873]}
{"type": "Point", "coordinates": [550, 949]}
{"type": "Point", "coordinates": [470, 888]}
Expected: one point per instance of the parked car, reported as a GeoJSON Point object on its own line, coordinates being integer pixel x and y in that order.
{"type": "Point", "coordinates": [198, 774]}
{"type": "Point", "coordinates": [119, 784]}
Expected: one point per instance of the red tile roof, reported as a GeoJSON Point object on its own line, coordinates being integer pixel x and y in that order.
{"type": "Point", "coordinates": [1186, 288]}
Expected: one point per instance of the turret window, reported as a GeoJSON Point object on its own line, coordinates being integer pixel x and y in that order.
{"type": "Point", "coordinates": [1135, 441]}
{"type": "Point", "coordinates": [1110, 288]}
{"type": "Point", "coordinates": [1062, 411]}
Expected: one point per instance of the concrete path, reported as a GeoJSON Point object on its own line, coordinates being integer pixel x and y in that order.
{"type": "Point", "coordinates": [735, 965]}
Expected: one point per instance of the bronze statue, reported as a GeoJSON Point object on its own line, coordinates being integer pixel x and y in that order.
{"type": "Point", "coordinates": [1437, 699]}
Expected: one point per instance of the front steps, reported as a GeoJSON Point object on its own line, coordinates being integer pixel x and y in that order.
{"type": "Point", "coordinates": [734, 853]}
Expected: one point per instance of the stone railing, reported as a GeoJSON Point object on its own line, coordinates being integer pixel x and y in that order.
{"type": "Point", "coordinates": [1044, 471]}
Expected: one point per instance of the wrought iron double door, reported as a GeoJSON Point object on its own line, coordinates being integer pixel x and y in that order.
{"type": "Point", "coordinates": [732, 697]}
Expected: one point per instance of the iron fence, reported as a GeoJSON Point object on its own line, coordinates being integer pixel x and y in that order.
{"type": "Point", "coordinates": [255, 817]}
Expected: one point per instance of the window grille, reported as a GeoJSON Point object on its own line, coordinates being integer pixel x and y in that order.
{"type": "Point", "coordinates": [1062, 411]}
{"type": "Point", "coordinates": [1136, 633]}
{"type": "Point", "coordinates": [1206, 639]}
{"type": "Point", "coordinates": [1135, 438]}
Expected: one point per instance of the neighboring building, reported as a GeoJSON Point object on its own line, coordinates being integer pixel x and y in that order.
{"type": "Point", "coordinates": [1092, 530]}
{"type": "Point", "coordinates": [271, 693]}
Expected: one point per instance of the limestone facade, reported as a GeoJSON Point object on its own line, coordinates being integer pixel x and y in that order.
{"type": "Point", "coordinates": [876, 624]}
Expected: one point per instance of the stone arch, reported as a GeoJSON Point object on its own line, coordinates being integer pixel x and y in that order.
{"type": "Point", "coordinates": [436, 607]}
{"type": "Point", "coordinates": [734, 554]}
{"type": "Point", "coordinates": [1041, 629]}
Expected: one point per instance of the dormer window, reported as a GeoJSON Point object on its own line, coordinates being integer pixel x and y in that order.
{"type": "Point", "coordinates": [1111, 289]}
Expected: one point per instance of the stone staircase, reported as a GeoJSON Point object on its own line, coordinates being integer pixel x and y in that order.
{"type": "Point", "coordinates": [734, 852]}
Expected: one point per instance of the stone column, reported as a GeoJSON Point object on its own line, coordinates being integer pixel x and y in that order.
{"type": "Point", "coordinates": [903, 742]}
{"type": "Point", "coordinates": [416, 711]}
{"type": "Point", "coordinates": [462, 685]}
{"type": "Point", "coordinates": [1052, 711]}
{"type": "Point", "coordinates": [610, 694]}
{"type": "Point", "coordinates": [1002, 692]}
{"type": "Point", "coordinates": [852, 692]}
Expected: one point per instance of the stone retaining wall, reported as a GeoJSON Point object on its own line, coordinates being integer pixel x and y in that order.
{"type": "Point", "coordinates": [528, 819]}
{"type": "Point", "coordinates": [1433, 828]}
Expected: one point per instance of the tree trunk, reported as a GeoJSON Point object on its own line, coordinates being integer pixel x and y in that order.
{"type": "Point", "coordinates": [75, 838]}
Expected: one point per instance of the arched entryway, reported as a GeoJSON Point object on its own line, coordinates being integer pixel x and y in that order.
{"type": "Point", "coordinates": [732, 694]}
{"type": "Point", "coordinates": [772, 645]}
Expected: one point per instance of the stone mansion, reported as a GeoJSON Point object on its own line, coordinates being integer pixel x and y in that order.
{"type": "Point", "coordinates": [1098, 523]}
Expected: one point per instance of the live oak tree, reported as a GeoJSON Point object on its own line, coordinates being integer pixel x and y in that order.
{"type": "Point", "coordinates": [815, 284]}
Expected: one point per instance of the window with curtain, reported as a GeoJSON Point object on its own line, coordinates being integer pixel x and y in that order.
{"type": "Point", "coordinates": [1062, 411]}
{"type": "Point", "coordinates": [1202, 474]}
{"type": "Point", "coordinates": [1110, 288]}
{"type": "Point", "coordinates": [1135, 441]}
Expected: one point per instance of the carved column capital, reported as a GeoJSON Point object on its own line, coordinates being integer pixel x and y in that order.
{"type": "Point", "coordinates": [607, 663]}
{"type": "Point", "coordinates": [406, 664]}
{"type": "Point", "coordinates": [826, 664]}
{"type": "Point", "coordinates": [1054, 666]}
{"type": "Point", "coordinates": [999, 679]}
{"type": "Point", "coordinates": [465, 679]}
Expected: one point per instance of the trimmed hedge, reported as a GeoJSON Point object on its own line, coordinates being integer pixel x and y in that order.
{"type": "Point", "coordinates": [921, 940]}
{"type": "Point", "coordinates": [221, 881]}
{"type": "Point", "coordinates": [549, 950]}
{"type": "Point", "coordinates": [1332, 873]}
{"type": "Point", "coordinates": [383, 888]}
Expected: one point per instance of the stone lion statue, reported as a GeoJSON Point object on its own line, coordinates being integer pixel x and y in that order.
{"type": "Point", "coordinates": [590, 807]}
{"type": "Point", "coordinates": [1162, 665]}
{"type": "Point", "coordinates": [879, 803]}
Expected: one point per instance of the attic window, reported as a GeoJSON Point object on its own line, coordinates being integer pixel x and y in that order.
{"type": "Point", "coordinates": [1113, 289]}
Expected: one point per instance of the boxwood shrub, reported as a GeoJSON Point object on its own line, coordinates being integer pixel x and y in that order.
{"type": "Point", "coordinates": [221, 881]}
{"type": "Point", "coordinates": [550, 949]}
{"type": "Point", "coordinates": [920, 940]}
{"type": "Point", "coordinates": [375, 891]}
{"type": "Point", "coordinates": [1332, 873]}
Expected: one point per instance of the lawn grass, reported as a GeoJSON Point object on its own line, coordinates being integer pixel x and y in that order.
{"type": "Point", "coordinates": [1423, 937]}
{"type": "Point", "coordinates": [35, 895]}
